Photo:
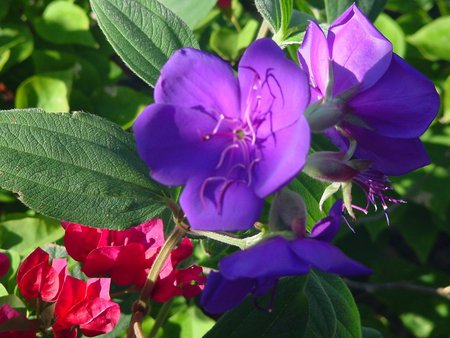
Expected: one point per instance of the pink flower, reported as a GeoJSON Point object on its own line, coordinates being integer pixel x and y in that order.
{"type": "Point", "coordinates": [37, 278]}
{"type": "Point", "coordinates": [123, 255]}
{"type": "Point", "coordinates": [187, 282]}
{"type": "Point", "coordinates": [127, 256]}
{"type": "Point", "coordinates": [86, 305]}
{"type": "Point", "coordinates": [16, 321]}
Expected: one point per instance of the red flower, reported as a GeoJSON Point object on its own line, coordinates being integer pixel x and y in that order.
{"type": "Point", "coordinates": [224, 3]}
{"type": "Point", "coordinates": [126, 256]}
{"type": "Point", "coordinates": [4, 264]}
{"type": "Point", "coordinates": [86, 305]}
{"type": "Point", "coordinates": [187, 282]}
{"type": "Point", "coordinates": [36, 277]}
{"type": "Point", "coordinates": [20, 326]}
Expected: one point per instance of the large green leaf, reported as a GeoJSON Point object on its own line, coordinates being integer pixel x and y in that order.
{"type": "Point", "coordinates": [332, 309]}
{"type": "Point", "coordinates": [372, 8]}
{"type": "Point", "coordinates": [76, 167]}
{"type": "Point", "coordinates": [143, 32]}
{"type": "Point", "coordinates": [433, 40]}
{"type": "Point", "coordinates": [192, 11]}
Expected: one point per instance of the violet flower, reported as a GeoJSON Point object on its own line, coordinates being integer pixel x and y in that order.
{"type": "Point", "coordinates": [257, 269]}
{"type": "Point", "coordinates": [376, 98]}
{"type": "Point", "coordinates": [231, 142]}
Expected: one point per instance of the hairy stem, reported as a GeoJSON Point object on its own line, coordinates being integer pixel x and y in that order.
{"type": "Point", "coordinates": [140, 307]}
{"type": "Point", "coordinates": [241, 243]}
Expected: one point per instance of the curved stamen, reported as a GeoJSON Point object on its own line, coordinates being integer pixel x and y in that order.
{"type": "Point", "coordinates": [224, 153]}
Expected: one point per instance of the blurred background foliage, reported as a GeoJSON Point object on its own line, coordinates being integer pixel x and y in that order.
{"type": "Point", "coordinates": [54, 56]}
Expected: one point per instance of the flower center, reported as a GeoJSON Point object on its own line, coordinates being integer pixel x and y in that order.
{"type": "Point", "coordinates": [240, 134]}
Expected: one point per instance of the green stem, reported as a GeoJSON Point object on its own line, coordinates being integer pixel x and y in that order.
{"type": "Point", "coordinates": [178, 232]}
{"type": "Point", "coordinates": [161, 318]}
{"type": "Point", "coordinates": [263, 30]}
{"type": "Point", "coordinates": [241, 243]}
{"type": "Point", "coordinates": [140, 307]}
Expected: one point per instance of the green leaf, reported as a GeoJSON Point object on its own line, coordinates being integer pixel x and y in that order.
{"type": "Point", "coordinates": [120, 105]}
{"type": "Point", "coordinates": [192, 11]}
{"type": "Point", "coordinates": [371, 8]}
{"type": "Point", "coordinates": [368, 332]}
{"type": "Point", "coordinates": [75, 167]}
{"type": "Point", "coordinates": [190, 322]}
{"type": "Point", "coordinates": [143, 32]}
{"type": "Point", "coordinates": [392, 30]}
{"type": "Point", "coordinates": [85, 75]}
{"type": "Point", "coordinates": [332, 309]}
{"type": "Point", "coordinates": [311, 190]}
{"type": "Point", "coordinates": [65, 23]}
{"type": "Point", "coordinates": [276, 12]}
{"type": "Point", "coordinates": [16, 44]}
{"type": "Point", "coordinates": [23, 235]}
{"type": "Point", "coordinates": [4, 8]}
{"type": "Point", "coordinates": [287, 319]}
{"type": "Point", "coordinates": [229, 43]}
{"type": "Point", "coordinates": [433, 40]}
{"type": "Point", "coordinates": [47, 91]}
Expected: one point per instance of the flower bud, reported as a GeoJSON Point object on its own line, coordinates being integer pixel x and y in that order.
{"type": "Point", "coordinates": [333, 166]}
{"type": "Point", "coordinates": [288, 210]}
{"type": "Point", "coordinates": [323, 115]}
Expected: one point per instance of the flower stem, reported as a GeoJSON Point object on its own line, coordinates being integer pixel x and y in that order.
{"type": "Point", "coordinates": [161, 318]}
{"type": "Point", "coordinates": [241, 243]}
{"type": "Point", "coordinates": [178, 232]}
{"type": "Point", "coordinates": [140, 307]}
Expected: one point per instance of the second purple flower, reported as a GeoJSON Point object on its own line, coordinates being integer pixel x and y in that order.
{"type": "Point", "coordinates": [231, 142]}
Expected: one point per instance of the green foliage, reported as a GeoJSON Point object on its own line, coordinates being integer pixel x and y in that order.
{"type": "Point", "coordinates": [372, 8]}
{"type": "Point", "coordinates": [191, 12]}
{"type": "Point", "coordinates": [64, 23]}
{"type": "Point", "coordinates": [75, 167]}
{"type": "Point", "coordinates": [143, 32]}
{"type": "Point", "coordinates": [319, 305]}
{"type": "Point", "coordinates": [433, 39]}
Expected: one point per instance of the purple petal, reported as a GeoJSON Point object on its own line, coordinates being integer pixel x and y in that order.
{"type": "Point", "coordinates": [170, 140]}
{"type": "Point", "coordinates": [360, 53]}
{"type": "Point", "coordinates": [221, 294]}
{"type": "Point", "coordinates": [314, 57]}
{"type": "Point", "coordinates": [327, 228]}
{"type": "Point", "coordinates": [218, 205]}
{"type": "Point", "coordinates": [328, 258]}
{"type": "Point", "coordinates": [401, 104]}
{"type": "Point", "coordinates": [283, 156]}
{"type": "Point", "coordinates": [391, 156]}
{"type": "Point", "coordinates": [194, 79]}
{"type": "Point", "coordinates": [271, 86]}
{"type": "Point", "coordinates": [272, 258]}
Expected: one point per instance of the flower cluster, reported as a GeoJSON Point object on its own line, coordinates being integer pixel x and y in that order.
{"type": "Point", "coordinates": [126, 257]}
{"type": "Point", "coordinates": [233, 141]}
{"type": "Point", "coordinates": [76, 304]}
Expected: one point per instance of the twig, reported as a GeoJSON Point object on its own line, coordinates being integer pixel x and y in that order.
{"type": "Point", "coordinates": [373, 287]}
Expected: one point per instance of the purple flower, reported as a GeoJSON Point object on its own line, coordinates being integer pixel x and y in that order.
{"type": "Point", "coordinates": [231, 142]}
{"type": "Point", "coordinates": [376, 97]}
{"type": "Point", "coordinates": [257, 269]}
